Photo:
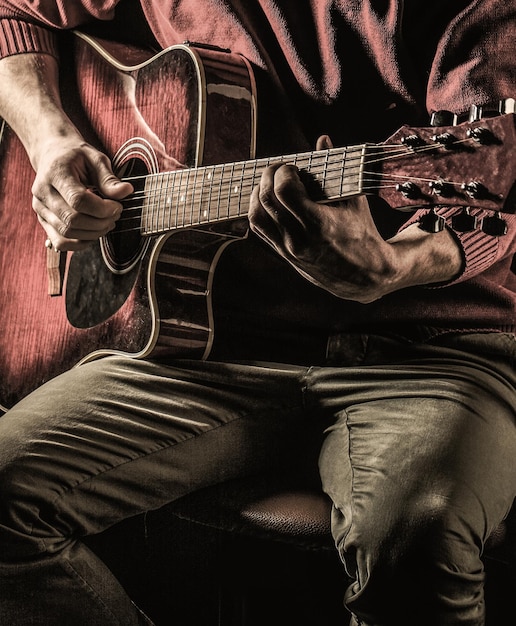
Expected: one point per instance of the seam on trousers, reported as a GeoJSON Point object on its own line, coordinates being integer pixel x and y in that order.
{"type": "Point", "coordinates": [70, 570]}
{"type": "Point", "coordinates": [355, 575]}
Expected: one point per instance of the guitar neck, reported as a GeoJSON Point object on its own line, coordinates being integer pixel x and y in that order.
{"type": "Point", "coordinates": [410, 170]}
{"type": "Point", "coordinates": [216, 193]}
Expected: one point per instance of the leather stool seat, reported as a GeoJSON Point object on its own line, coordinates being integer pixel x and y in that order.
{"type": "Point", "coordinates": [292, 513]}
{"type": "Point", "coordinates": [262, 507]}
{"type": "Point", "coordinates": [258, 550]}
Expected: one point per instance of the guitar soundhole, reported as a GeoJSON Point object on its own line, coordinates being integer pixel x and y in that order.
{"type": "Point", "coordinates": [124, 246]}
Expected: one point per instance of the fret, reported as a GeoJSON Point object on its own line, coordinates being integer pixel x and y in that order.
{"type": "Point", "coordinates": [203, 184]}
{"type": "Point", "coordinates": [148, 205]}
{"type": "Point", "coordinates": [240, 189]}
{"type": "Point", "coordinates": [186, 217]}
{"type": "Point", "coordinates": [219, 194]}
{"type": "Point", "coordinates": [206, 213]}
{"type": "Point", "coordinates": [156, 203]}
{"type": "Point", "coordinates": [309, 163]}
{"type": "Point", "coordinates": [230, 189]}
{"type": "Point", "coordinates": [161, 188]}
{"type": "Point", "coordinates": [254, 182]}
{"type": "Point", "coordinates": [193, 190]}
{"type": "Point", "coordinates": [183, 191]}
{"type": "Point", "coordinates": [171, 203]}
{"type": "Point", "coordinates": [325, 173]}
{"type": "Point", "coordinates": [342, 169]}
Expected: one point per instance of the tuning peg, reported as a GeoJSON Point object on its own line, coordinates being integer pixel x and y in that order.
{"type": "Point", "coordinates": [475, 189]}
{"type": "Point", "coordinates": [475, 113]}
{"type": "Point", "coordinates": [481, 135]}
{"type": "Point", "coordinates": [494, 225]}
{"type": "Point", "coordinates": [445, 139]}
{"type": "Point", "coordinates": [412, 141]}
{"type": "Point", "coordinates": [507, 106]}
{"type": "Point", "coordinates": [443, 118]}
{"type": "Point", "coordinates": [409, 190]}
{"type": "Point", "coordinates": [441, 187]}
{"type": "Point", "coordinates": [492, 109]}
{"type": "Point", "coordinates": [464, 222]}
{"type": "Point", "coordinates": [431, 222]}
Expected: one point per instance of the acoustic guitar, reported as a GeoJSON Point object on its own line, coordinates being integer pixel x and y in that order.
{"type": "Point", "coordinates": [181, 126]}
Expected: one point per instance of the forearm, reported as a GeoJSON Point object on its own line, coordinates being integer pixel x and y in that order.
{"type": "Point", "coordinates": [67, 168]}
{"type": "Point", "coordinates": [30, 102]}
{"type": "Point", "coordinates": [422, 258]}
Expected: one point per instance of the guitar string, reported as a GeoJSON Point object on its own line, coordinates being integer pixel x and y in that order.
{"type": "Point", "coordinates": [225, 190]}
{"type": "Point", "coordinates": [398, 150]}
{"type": "Point", "coordinates": [332, 157]}
{"type": "Point", "coordinates": [297, 159]}
{"type": "Point", "coordinates": [225, 187]}
{"type": "Point", "coordinates": [188, 221]}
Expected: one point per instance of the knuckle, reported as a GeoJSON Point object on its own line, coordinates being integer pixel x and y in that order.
{"type": "Point", "coordinates": [40, 189]}
{"type": "Point", "coordinates": [282, 187]}
{"type": "Point", "coordinates": [266, 197]}
{"type": "Point", "coordinates": [76, 199]}
{"type": "Point", "coordinates": [293, 248]}
{"type": "Point", "coordinates": [100, 160]}
{"type": "Point", "coordinates": [66, 223]}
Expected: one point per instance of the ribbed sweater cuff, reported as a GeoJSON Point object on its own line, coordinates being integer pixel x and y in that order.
{"type": "Point", "coordinates": [479, 250]}
{"type": "Point", "coordinates": [17, 37]}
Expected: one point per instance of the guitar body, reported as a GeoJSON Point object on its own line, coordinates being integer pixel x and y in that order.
{"type": "Point", "coordinates": [183, 107]}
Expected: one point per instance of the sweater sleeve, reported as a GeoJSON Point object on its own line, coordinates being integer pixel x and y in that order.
{"type": "Point", "coordinates": [474, 64]}
{"type": "Point", "coordinates": [479, 250]}
{"type": "Point", "coordinates": [31, 26]}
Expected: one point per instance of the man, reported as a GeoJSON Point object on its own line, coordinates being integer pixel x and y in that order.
{"type": "Point", "coordinates": [415, 387]}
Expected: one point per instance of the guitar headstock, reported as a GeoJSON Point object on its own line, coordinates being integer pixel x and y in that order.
{"type": "Point", "coordinates": [471, 164]}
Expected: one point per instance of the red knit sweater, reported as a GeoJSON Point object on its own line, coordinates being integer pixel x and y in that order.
{"type": "Point", "coordinates": [355, 69]}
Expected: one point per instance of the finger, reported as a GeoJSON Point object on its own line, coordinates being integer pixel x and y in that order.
{"type": "Point", "coordinates": [84, 200]}
{"type": "Point", "coordinates": [280, 182]}
{"type": "Point", "coordinates": [291, 194]}
{"type": "Point", "coordinates": [65, 195]}
{"type": "Point", "coordinates": [266, 192]}
{"type": "Point", "coordinates": [270, 227]}
{"type": "Point", "coordinates": [70, 223]}
{"type": "Point", "coordinates": [59, 243]}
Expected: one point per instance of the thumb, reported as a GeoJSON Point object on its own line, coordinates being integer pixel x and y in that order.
{"type": "Point", "coordinates": [324, 143]}
{"type": "Point", "coordinates": [110, 186]}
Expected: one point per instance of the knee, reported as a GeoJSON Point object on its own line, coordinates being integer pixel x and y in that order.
{"type": "Point", "coordinates": [430, 551]}
{"type": "Point", "coordinates": [27, 496]}
{"type": "Point", "coordinates": [430, 534]}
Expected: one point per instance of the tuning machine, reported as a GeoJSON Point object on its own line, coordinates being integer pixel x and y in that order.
{"type": "Point", "coordinates": [502, 107]}
{"type": "Point", "coordinates": [464, 222]}
{"type": "Point", "coordinates": [443, 118]}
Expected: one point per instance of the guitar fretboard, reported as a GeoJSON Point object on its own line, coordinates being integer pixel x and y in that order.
{"type": "Point", "coordinates": [215, 193]}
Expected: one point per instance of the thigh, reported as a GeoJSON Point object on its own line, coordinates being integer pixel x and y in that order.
{"type": "Point", "coordinates": [430, 436]}
{"type": "Point", "coordinates": [120, 436]}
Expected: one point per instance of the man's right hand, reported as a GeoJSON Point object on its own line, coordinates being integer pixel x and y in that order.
{"type": "Point", "coordinates": [75, 193]}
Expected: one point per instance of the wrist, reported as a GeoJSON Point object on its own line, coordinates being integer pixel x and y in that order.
{"type": "Point", "coordinates": [423, 258]}
{"type": "Point", "coordinates": [56, 132]}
